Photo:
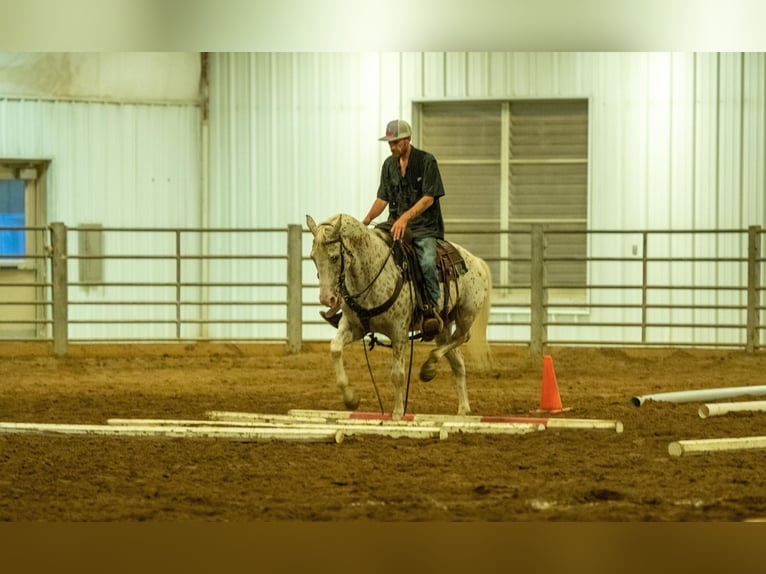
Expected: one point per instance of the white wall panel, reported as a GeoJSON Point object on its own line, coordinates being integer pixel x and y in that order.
{"type": "Point", "coordinates": [754, 139]}
{"type": "Point", "coordinates": [676, 140]}
{"type": "Point", "coordinates": [110, 162]}
{"type": "Point", "coordinates": [118, 165]}
{"type": "Point", "coordinates": [399, 74]}
{"type": "Point", "coordinates": [289, 134]}
{"type": "Point", "coordinates": [294, 134]}
{"type": "Point", "coordinates": [664, 126]}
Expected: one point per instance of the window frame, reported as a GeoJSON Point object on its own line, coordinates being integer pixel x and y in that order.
{"type": "Point", "coordinates": [13, 259]}
{"type": "Point", "coordinates": [504, 292]}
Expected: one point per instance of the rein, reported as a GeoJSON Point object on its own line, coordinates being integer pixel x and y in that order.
{"type": "Point", "coordinates": [351, 300]}
{"type": "Point", "coordinates": [365, 315]}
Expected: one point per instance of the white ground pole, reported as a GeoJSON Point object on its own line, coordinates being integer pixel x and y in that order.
{"type": "Point", "coordinates": [453, 422]}
{"type": "Point", "coordinates": [251, 419]}
{"type": "Point", "coordinates": [389, 430]}
{"type": "Point", "coordinates": [718, 409]}
{"type": "Point", "coordinates": [349, 426]}
{"type": "Point", "coordinates": [549, 422]}
{"type": "Point", "coordinates": [701, 395]}
{"type": "Point", "coordinates": [701, 446]}
{"type": "Point", "coordinates": [327, 434]}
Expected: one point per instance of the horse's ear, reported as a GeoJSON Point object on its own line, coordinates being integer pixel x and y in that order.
{"type": "Point", "coordinates": [312, 225]}
{"type": "Point", "coordinates": [336, 227]}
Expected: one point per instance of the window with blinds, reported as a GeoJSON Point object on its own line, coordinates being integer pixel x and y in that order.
{"type": "Point", "coordinates": [507, 165]}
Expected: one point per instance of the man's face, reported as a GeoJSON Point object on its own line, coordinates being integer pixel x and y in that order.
{"type": "Point", "coordinates": [399, 147]}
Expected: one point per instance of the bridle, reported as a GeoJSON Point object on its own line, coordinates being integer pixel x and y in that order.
{"type": "Point", "coordinates": [363, 314]}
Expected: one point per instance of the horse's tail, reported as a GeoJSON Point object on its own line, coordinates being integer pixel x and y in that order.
{"type": "Point", "coordinates": [477, 351]}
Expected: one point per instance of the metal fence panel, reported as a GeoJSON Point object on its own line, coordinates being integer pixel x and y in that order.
{"type": "Point", "coordinates": [674, 288]}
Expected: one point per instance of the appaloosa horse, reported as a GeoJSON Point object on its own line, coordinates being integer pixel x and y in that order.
{"type": "Point", "coordinates": [358, 275]}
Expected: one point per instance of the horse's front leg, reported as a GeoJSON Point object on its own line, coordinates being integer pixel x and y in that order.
{"type": "Point", "coordinates": [397, 379]}
{"type": "Point", "coordinates": [343, 337]}
{"type": "Point", "coordinates": [455, 358]}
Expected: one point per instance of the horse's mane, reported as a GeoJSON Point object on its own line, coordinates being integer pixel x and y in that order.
{"type": "Point", "coordinates": [351, 229]}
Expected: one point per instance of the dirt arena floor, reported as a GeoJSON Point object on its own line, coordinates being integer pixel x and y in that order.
{"type": "Point", "coordinates": [553, 475]}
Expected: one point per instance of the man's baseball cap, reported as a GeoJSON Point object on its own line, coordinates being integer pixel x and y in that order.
{"type": "Point", "coordinates": [396, 130]}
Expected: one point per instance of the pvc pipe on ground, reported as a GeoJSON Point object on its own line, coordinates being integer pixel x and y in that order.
{"type": "Point", "coordinates": [264, 419]}
{"type": "Point", "coordinates": [701, 446]}
{"type": "Point", "coordinates": [718, 409]}
{"type": "Point", "coordinates": [489, 428]}
{"type": "Point", "coordinates": [230, 416]}
{"type": "Point", "coordinates": [383, 428]}
{"type": "Point", "coordinates": [585, 424]}
{"type": "Point", "coordinates": [430, 426]}
{"type": "Point", "coordinates": [701, 395]}
{"type": "Point", "coordinates": [386, 427]}
{"type": "Point", "coordinates": [162, 431]}
{"type": "Point", "coordinates": [562, 423]}
{"type": "Point", "coordinates": [192, 423]}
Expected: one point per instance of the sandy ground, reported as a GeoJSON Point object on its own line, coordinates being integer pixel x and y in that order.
{"type": "Point", "coordinates": [554, 475]}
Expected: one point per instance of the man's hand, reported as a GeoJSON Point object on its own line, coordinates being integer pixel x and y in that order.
{"type": "Point", "coordinates": [399, 227]}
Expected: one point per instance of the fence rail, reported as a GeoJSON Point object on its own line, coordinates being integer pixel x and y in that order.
{"type": "Point", "coordinates": [684, 288]}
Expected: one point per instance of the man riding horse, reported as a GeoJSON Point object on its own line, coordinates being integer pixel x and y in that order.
{"type": "Point", "coordinates": [411, 185]}
{"type": "Point", "coordinates": [359, 276]}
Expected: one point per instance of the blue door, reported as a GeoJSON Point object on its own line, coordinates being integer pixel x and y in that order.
{"type": "Point", "coordinates": [21, 275]}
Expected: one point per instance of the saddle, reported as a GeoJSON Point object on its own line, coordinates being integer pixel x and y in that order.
{"type": "Point", "coordinates": [449, 263]}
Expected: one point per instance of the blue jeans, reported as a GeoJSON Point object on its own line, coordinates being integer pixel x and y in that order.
{"type": "Point", "coordinates": [425, 248]}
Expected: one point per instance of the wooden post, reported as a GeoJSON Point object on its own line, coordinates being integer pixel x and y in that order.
{"type": "Point", "coordinates": [60, 282]}
{"type": "Point", "coordinates": [537, 296]}
{"type": "Point", "coordinates": [644, 284]}
{"type": "Point", "coordinates": [294, 288]}
{"type": "Point", "coordinates": [178, 284]}
{"type": "Point", "coordinates": [753, 283]}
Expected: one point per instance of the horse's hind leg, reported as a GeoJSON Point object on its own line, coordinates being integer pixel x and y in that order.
{"type": "Point", "coordinates": [342, 338]}
{"type": "Point", "coordinates": [455, 358]}
{"type": "Point", "coordinates": [444, 343]}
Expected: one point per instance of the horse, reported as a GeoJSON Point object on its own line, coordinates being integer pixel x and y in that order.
{"type": "Point", "coordinates": [359, 276]}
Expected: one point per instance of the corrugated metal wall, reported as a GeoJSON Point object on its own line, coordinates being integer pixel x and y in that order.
{"type": "Point", "coordinates": [676, 139]}
{"type": "Point", "coordinates": [122, 134]}
{"type": "Point", "coordinates": [290, 135]}
{"type": "Point", "coordinates": [117, 165]}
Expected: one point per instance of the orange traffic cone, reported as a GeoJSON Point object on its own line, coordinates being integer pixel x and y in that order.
{"type": "Point", "coordinates": [550, 400]}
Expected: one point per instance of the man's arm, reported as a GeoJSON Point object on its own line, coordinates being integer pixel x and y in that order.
{"type": "Point", "coordinates": [377, 208]}
{"type": "Point", "coordinates": [400, 225]}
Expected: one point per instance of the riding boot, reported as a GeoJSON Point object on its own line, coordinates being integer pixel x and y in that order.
{"type": "Point", "coordinates": [432, 323]}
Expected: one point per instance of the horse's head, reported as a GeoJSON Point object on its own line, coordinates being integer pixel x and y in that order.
{"type": "Point", "coordinates": [326, 254]}
{"type": "Point", "coordinates": [344, 246]}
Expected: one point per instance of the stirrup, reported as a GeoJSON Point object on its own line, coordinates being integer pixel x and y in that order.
{"type": "Point", "coordinates": [431, 325]}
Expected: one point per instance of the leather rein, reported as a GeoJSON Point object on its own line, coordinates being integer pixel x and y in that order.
{"type": "Point", "coordinates": [363, 314]}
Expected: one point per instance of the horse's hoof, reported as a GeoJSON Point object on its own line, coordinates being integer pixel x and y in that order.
{"type": "Point", "coordinates": [427, 371]}
{"type": "Point", "coordinates": [351, 400]}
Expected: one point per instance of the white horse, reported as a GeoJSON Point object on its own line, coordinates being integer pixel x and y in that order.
{"type": "Point", "coordinates": [358, 275]}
